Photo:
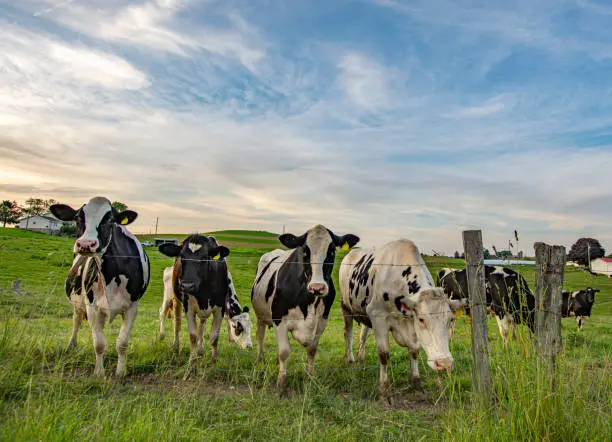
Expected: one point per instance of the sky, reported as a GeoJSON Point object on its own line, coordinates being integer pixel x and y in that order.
{"type": "Point", "coordinates": [382, 118]}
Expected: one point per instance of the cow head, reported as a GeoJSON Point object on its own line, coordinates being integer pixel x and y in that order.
{"type": "Point", "coordinates": [433, 315]}
{"type": "Point", "coordinates": [318, 251]}
{"type": "Point", "coordinates": [240, 329]}
{"type": "Point", "coordinates": [94, 223]}
{"type": "Point", "coordinates": [195, 258]}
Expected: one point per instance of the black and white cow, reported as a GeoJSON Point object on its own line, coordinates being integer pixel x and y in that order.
{"type": "Point", "coordinates": [109, 274]}
{"type": "Point", "coordinates": [578, 304]}
{"type": "Point", "coordinates": [200, 282]}
{"type": "Point", "coordinates": [508, 296]}
{"type": "Point", "coordinates": [390, 289]}
{"type": "Point", "coordinates": [238, 321]}
{"type": "Point", "coordinates": [293, 292]}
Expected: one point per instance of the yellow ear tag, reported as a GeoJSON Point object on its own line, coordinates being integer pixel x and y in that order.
{"type": "Point", "coordinates": [345, 246]}
{"type": "Point", "coordinates": [124, 221]}
{"type": "Point", "coordinates": [459, 313]}
{"type": "Point", "coordinates": [217, 256]}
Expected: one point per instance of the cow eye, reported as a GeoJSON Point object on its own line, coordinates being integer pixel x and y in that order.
{"type": "Point", "coordinates": [422, 321]}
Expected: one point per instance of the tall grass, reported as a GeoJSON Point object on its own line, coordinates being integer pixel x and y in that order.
{"type": "Point", "coordinates": [526, 404]}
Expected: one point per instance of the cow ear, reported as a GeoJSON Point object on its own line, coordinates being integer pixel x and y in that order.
{"type": "Point", "coordinates": [63, 212]}
{"type": "Point", "coordinates": [170, 249]}
{"type": "Point", "coordinates": [245, 309]}
{"type": "Point", "coordinates": [219, 252]}
{"type": "Point", "coordinates": [347, 241]}
{"type": "Point", "coordinates": [126, 217]}
{"type": "Point", "coordinates": [291, 241]}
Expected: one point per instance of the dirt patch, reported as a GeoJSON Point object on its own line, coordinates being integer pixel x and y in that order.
{"type": "Point", "coordinates": [182, 388]}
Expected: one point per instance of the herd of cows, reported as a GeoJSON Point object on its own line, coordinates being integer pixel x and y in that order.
{"type": "Point", "coordinates": [387, 289]}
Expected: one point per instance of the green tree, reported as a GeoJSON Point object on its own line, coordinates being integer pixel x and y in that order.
{"type": "Point", "coordinates": [37, 206]}
{"type": "Point", "coordinates": [457, 255]}
{"type": "Point", "coordinates": [486, 254]}
{"type": "Point", "coordinates": [119, 206]}
{"type": "Point", "coordinates": [584, 249]}
{"type": "Point", "coordinates": [10, 212]}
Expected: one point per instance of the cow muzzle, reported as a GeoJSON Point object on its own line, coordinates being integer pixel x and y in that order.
{"type": "Point", "coordinates": [317, 289]}
{"type": "Point", "coordinates": [442, 364]}
{"type": "Point", "coordinates": [187, 286]}
{"type": "Point", "coordinates": [86, 246]}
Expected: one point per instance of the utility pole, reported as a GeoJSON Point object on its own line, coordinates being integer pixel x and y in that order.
{"type": "Point", "coordinates": [589, 254]}
{"type": "Point", "coordinates": [156, 221]}
{"type": "Point", "coordinates": [29, 215]}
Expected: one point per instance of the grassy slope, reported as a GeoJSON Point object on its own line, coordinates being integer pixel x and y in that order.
{"type": "Point", "coordinates": [47, 391]}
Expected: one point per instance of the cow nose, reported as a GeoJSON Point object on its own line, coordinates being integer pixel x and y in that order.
{"type": "Point", "coordinates": [187, 286]}
{"type": "Point", "coordinates": [86, 245]}
{"type": "Point", "coordinates": [317, 289]}
{"type": "Point", "coordinates": [443, 364]}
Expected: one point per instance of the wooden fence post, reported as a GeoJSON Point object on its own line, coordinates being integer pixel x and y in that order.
{"type": "Point", "coordinates": [550, 267]}
{"type": "Point", "coordinates": [474, 264]}
{"type": "Point", "coordinates": [16, 285]}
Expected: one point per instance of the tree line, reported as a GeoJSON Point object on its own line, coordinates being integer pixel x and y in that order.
{"type": "Point", "coordinates": [11, 212]}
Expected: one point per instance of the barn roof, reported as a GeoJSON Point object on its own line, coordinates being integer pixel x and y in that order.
{"type": "Point", "coordinates": [604, 259]}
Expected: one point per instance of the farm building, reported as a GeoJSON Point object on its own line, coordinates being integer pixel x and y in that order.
{"type": "Point", "coordinates": [603, 266]}
{"type": "Point", "coordinates": [40, 223]}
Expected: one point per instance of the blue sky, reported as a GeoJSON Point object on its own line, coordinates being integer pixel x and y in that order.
{"type": "Point", "coordinates": [376, 117]}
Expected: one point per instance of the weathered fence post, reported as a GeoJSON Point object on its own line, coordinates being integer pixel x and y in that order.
{"type": "Point", "coordinates": [474, 264]}
{"type": "Point", "coordinates": [550, 267]}
{"type": "Point", "coordinates": [16, 285]}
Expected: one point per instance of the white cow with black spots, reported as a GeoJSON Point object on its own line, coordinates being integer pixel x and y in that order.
{"type": "Point", "coordinates": [390, 289]}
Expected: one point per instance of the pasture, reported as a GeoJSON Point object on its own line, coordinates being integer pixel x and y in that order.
{"type": "Point", "coordinates": [47, 392]}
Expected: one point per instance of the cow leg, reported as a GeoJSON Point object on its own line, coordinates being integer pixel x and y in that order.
{"type": "Point", "coordinates": [381, 334]}
{"type": "Point", "coordinates": [77, 319]}
{"type": "Point", "coordinates": [97, 320]}
{"type": "Point", "coordinates": [415, 377]}
{"type": "Point", "coordinates": [261, 334]}
{"type": "Point", "coordinates": [348, 336]}
{"type": "Point", "coordinates": [214, 334]}
{"type": "Point", "coordinates": [579, 322]}
{"type": "Point", "coordinates": [363, 337]}
{"type": "Point", "coordinates": [504, 328]}
{"type": "Point", "coordinates": [312, 348]}
{"type": "Point", "coordinates": [163, 311]}
{"type": "Point", "coordinates": [229, 331]}
{"type": "Point", "coordinates": [124, 336]}
{"type": "Point", "coordinates": [193, 335]}
{"type": "Point", "coordinates": [176, 321]}
{"type": "Point", "coordinates": [284, 350]}
{"type": "Point", "coordinates": [201, 328]}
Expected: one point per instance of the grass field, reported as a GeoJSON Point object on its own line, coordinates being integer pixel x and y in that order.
{"type": "Point", "coordinates": [47, 392]}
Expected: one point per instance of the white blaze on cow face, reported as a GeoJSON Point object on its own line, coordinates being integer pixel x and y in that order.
{"type": "Point", "coordinates": [433, 318]}
{"type": "Point", "coordinates": [319, 243]}
{"type": "Point", "coordinates": [194, 247]}
{"type": "Point", "coordinates": [94, 239]}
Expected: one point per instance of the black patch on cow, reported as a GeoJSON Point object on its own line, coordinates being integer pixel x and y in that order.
{"type": "Point", "coordinates": [406, 273]}
{"type": "Point", "coordinates": [386, 296]}
{"type": "Point", "coordinates": [265, 269]}
{"type": "Point", "coordinates": [121, 258]}
{"type": "Point", "coordinates": [413, 287]}
{"type": "Point", "coordinates": [210, 276]}
{"type": "Point", "coordinates": [367, 292]}
{"type": "Point", "coordinates": [364, 303]}
{"type": "Point", "coordinates": [363, 319]}
{"type": "Point", "coordinates": [398, 304]}
{"type": "Point", "coordinates": [579, 305]}
{"type": "Point", "coordinates": [291, 281]}
{"type": "Point", "coordinates": [270, 288]}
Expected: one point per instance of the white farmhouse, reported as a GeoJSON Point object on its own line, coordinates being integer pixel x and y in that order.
{"type": "Point", "coordinates": [40, 223]}
{"type": "Point", "coordinates": [603, 266]}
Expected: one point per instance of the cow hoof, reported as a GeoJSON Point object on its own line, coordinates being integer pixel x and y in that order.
{"type": "Point", "coordinates": [99, 373]}
{"type": "Point", "coordinates": [350, 360]}
{"type": "Point", "coordinates": [281, 384]}
{"type": "Point", "coordinates": [120, 374]}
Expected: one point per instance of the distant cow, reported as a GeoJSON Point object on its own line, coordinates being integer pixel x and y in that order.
{"type": "Point", "coordinates": [390, 289]}
{"type": "Point", "coordinates": [238, 320]}
{"type": "Point", "coordinates": [200, 282]}
{"type": "Point", "coordinates": [293, 292]}
{"type": "Point", "coordinates": [579, 304]}
{"type": "Point", "coordinates": [507, 295]}
{"type": "Point", "coordinates": [109, 274]}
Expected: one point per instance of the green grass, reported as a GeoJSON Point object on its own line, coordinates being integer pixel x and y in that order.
{"type": "Point", "coordinates": [47, 392]}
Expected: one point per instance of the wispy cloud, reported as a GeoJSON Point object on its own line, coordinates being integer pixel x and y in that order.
{"type": "Point", "coordinates": [382, 118]}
